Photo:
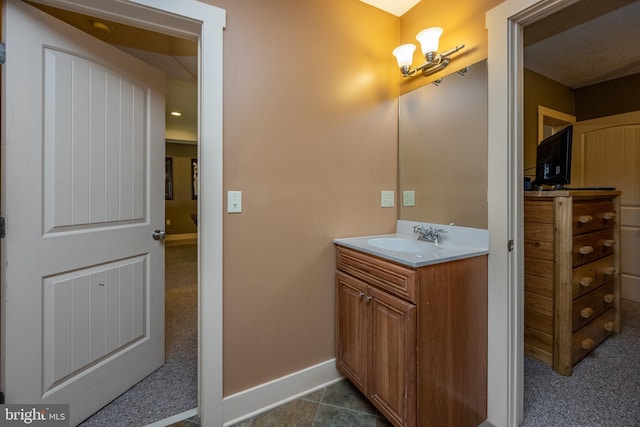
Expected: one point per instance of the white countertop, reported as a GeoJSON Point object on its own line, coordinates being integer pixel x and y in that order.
{"type": "Point", "coordinates": [457, 243]}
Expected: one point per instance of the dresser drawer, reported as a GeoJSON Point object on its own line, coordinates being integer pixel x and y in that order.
{"type": "Point", "coordinates": [592, 246]}
{"type": "Point", "coordinates": [590, 336]}
{"type": "Point", "coordinates": [591, 305]}
{"type": "Point", "coordinates": [396, 279]}
{"type": "Point", "coordinates": [590, 215]}
{"type": "Point", "coordinates": [590, 276]}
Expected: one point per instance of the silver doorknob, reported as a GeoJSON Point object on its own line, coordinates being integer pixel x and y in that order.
{"type": "Point", "coordinates": [159, 234]}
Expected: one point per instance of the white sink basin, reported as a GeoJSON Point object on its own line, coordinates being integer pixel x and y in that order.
{"type": "Point", "coordinates": [404, 248]}
{"type": "Point", "coordinates": [403, 245]}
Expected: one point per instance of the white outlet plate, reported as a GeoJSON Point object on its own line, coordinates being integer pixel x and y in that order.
{"type": "Point", "coordinates": [408, 198]}
{"type": "Point", "coordinates": [234, 201]}
{"type": "Point", "coordinates": [387, 199]}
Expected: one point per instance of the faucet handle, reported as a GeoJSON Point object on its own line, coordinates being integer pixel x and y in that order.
{"type": "Point", "coordinates": [418, 228]}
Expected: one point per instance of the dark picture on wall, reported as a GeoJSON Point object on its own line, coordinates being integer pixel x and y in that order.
{"type": "Point", "coordinates": [194, 179]}
{"type": "Point", "coordinates": [168, 178]}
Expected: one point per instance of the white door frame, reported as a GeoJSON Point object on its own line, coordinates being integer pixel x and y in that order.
{"type": "Point", "coordinates": [197, 21]}
{"type": "Point", "coordinates": [505, 199]}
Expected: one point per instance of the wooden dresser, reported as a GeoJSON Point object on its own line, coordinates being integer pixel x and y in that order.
{"type": "Point", "coordinates": [572, 265]}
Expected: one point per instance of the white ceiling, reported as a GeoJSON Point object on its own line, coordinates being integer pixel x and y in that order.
{"type": "Point", "coordinates": [603, 48]}
{"type": "Point", "coordinates": [395, 7]}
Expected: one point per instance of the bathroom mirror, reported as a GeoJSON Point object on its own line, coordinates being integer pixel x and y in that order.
{"type": "Point", "coordinates": [442, 143]}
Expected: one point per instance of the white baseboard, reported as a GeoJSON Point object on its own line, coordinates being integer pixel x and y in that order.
{"type": "Point", "coordinates": [174, 419]}
{"type": "Point", "coordinates": [251, 402]}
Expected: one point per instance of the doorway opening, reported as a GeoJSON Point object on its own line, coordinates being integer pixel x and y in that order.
{"type": "Point", "coordinates": [171, 389]}
{"type": "Point", "coordinates": [505, 24]}
{"type": "Point", "coordinates": [204, 24]}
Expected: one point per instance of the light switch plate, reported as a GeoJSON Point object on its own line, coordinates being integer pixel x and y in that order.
{"type": "Point", "coordinates": [408, 198]}
{"type": "Point", "coordinates": [234, 201]}
{"type": "Point", "coordinates": [386, 199]}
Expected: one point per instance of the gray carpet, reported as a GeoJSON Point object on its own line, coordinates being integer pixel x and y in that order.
{"type": "Point", "coordinates": [603, 391]}
{"type": "Point", "coordinates": [172, 389]}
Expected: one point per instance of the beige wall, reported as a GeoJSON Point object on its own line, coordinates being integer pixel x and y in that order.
{"type": "Point", "coordinates": [463, 22]}
{"type": "Point", "coordinates": [540, 90]}
{"type": "Point", "coordinates": [310, 138]}
{"type": "Point", "coordinates": [609, 98]}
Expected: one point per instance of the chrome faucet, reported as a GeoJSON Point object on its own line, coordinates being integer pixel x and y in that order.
{"type": "Point", "coordinates": [429, 234]}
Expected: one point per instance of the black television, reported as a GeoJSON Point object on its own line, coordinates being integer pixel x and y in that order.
{"type": "Point", "coordinates": [553, 159]}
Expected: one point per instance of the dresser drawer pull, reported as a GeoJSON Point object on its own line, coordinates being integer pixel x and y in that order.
{"type": "Point", "coordinates": [608, 271]}
{"type": "Point", "coordinates": [587, 343]}
{"type": "Point", "coordinates": [585, 219]}
{"type": "Point", "coordinates": [609, 242]}
{"type": "Point", "coordinates": [609, 298]}
{"type": "Point", "coordinates": [586, 250]}
{"type": "Point", "coordinates": [586, 313]}
{"type": "Point", "coordinates": [609, 215]}
{"type": "Point", "coordinates": [609, 326]}
{"type": "Point", "coordinates": [586, 281]}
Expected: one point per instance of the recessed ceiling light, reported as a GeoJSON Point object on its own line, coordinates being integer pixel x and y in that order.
{"type": "Point", "coordinates": [101, 26]}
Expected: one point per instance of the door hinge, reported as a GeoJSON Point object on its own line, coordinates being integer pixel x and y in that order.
{"type": "Point", "coordinates": [3, 53]}
{"type": "Point", "coordinates": [510, 245]}
{"type": "Point", "coordinates": [2, 227]}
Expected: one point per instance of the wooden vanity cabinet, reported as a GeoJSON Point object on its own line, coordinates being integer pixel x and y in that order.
{"type": "Point", "coordinates": [572, 264]}
{"type": "Point", "coordinates": [414, 340]}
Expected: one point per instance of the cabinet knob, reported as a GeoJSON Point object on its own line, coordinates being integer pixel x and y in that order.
{"type": "Point", "coordinates": [609, 298]}
{"type": "Point", "coordinates": [609, 271]}
{"type": "Point", "coordinates": [586, 250]}
{"type": "Point", "coordinates": [586, 312]}
{"type": "Point", "coordinates": [585, 219]}
{"type": "Point", "coordinates": [361, 294]}
{"type": "Point", "coordinates": [368, 298]}
{"type": "Point", "coordinates": [609, 242]}
{"type": "Point", "coordinates": [587, 344]}
{"type": "Point", "coordinates": [609, 326]}
{"type": "Point", "coordinates": [609, 215]}
{"type": "Point", "coordinates": [586, 281]}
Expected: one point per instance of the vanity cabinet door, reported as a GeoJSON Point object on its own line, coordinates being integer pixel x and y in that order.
{"type": "Point", "coordinates": [352, 329]}
{"type": "Point", "coordinates": [392, 379]}
{"type": "Point", "coordinates": [376, 346]}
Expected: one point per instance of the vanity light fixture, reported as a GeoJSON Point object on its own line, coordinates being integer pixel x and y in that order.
{"type": "Point", "coordinates": [176, 113]}
{"type": "Point", "coordinates": [434, 61]}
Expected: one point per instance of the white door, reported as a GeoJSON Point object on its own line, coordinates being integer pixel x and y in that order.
{"type": "Point", "coordinates": [607, 153]}
{"type": "Point", "coordinates": [82, 189]}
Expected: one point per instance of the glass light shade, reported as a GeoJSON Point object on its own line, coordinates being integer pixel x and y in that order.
{"type": "Point", "coordinates": [404, 54]}
{"type": "Point", "coordinates": [429, 39]}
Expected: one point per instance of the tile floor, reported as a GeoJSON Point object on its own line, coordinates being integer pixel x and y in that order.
{"type": "Point", "coordinates": [337, 405]}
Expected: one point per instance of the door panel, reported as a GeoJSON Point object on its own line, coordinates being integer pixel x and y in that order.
{"type": "Point", "coordinates": [101, 139]}
{"type": "Point", "coordinates": [607, 153]}
{"type": "Point", "coordinates": [352, 329]}
{"type": "Point", "coordinates": [89, 314]}
{"type": "Point", "coordinates": [83, 169]}
{"type": "Point", "coordinates": [393, 352]}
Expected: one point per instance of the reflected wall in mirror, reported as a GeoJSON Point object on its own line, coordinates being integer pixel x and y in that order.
{"type": "Point", "coordinates": [442, 144]}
